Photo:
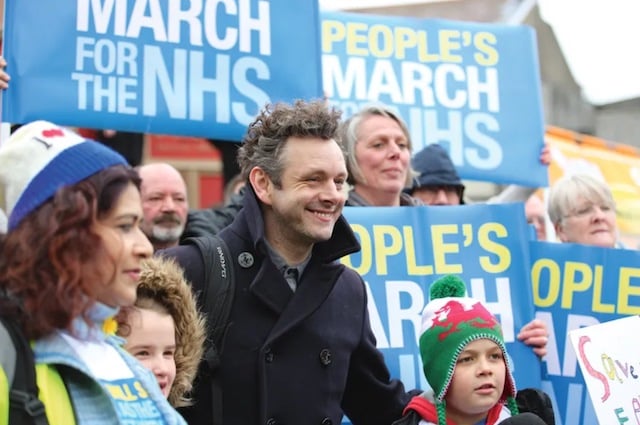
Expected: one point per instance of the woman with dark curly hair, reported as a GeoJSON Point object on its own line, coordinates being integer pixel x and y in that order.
{"type": "Point", "coordinates": [70, 260]}
{"type": "Point", "coordinates": [164, 329]}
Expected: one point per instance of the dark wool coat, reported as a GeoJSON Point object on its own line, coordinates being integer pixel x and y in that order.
{"type": "Point", "coordinates": [295, 358]}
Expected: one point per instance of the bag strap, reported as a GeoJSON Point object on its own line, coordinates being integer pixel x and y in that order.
{"type": "Point", "coordinates": [217, 298]}
{"type": "Point", "coordinates": [24, 405]}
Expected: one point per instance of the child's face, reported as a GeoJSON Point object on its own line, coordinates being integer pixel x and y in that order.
{"type": "Point", "coordinates": [153, 341]}
{"type": "Point", "coordinates": [477, 383]}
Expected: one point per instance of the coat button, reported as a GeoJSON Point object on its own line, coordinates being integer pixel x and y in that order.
{"type": "Point", "coordinates": [326, 421]}
{"type": "Point", "coordinates": [271, 421]}
{"type": "Point", "coordinates": [268, 355]}
{"type": "Point", "coordinates": [325, 357]}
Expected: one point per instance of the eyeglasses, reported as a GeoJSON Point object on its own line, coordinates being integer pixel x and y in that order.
{"type": "Point", "coordinates": [590, 209]}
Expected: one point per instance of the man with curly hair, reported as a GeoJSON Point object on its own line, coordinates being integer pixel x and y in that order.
{"type": "Point", "coordinates": [299, 347]}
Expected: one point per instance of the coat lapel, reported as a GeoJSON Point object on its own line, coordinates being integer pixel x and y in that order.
{"type": "Point", "coordinates": [270, 287]}
{"type": "Point", "coordinates": [316, 283]}
{"type": "Point", "coordinates": [314, 287]}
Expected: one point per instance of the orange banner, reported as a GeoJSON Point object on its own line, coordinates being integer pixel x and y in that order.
{"type": "Point", "coordinates": [617, 164]}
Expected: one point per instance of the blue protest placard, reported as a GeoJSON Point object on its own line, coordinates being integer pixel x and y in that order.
{"type": "Point", "coordinates": [474, 88]}
{"type": "Point", "coordinates": [405, 249]}
{"type": "Point", "coordinates": [198, 68]}
{"type": "Point", "coordinates": [575, 286]}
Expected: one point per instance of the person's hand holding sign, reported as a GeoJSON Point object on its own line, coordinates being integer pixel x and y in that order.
{"type": "Point", "coordinates": [536, 335]}
{"type": "Point", "coordinates": [4, 77]}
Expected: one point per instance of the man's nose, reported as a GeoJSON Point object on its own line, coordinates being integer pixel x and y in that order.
{"type": "Point", "coordinates": [168, 204]}
{"type": "Point", "coordinates": [331, 192]}
{"type": "Point", "coordinates": [441, 197]}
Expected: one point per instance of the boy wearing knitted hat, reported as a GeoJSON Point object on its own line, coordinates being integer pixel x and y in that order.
{"type": "Point", "coordinates": [464, 360]}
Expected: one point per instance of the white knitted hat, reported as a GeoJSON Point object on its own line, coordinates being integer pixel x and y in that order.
{"type": "Point", "coordinates": [40, 158]}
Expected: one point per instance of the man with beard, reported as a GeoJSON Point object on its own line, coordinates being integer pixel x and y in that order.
{"type": "Point", "coordinates": [164, 203]}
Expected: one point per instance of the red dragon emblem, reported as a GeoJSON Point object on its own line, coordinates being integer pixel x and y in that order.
{"type": "Point", "coordinates": [453, 317]}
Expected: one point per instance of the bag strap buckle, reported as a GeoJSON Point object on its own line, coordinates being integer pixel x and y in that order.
{"type": "Point", "coordinates": [29, 403]}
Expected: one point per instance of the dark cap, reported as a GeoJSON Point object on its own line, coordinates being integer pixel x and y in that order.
{"type": "Point", "coordinates": [435, 168]}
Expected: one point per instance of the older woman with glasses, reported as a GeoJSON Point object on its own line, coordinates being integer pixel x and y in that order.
{"type": "Point", "coordinates": [583, 211]}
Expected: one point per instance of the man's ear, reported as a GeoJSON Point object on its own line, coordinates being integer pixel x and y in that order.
{"type": "Point", "coordinates": [262, 185]}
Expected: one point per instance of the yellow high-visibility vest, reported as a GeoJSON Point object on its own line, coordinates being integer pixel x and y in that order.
{"type": "Point", "coordinates": [51, 391]}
